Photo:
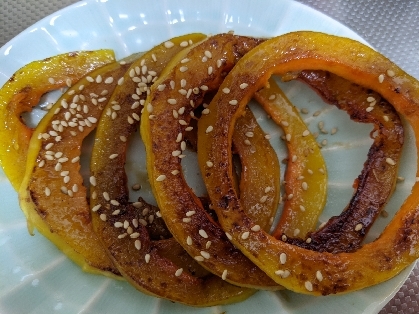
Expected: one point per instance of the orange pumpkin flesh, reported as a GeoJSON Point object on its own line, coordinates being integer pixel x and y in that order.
{"type": "Point", "coordinates": [296, 268]}
{"type": "Point", "coordinates": [52, 194]}
{"type": "Point", "coordinates": [160, 133]}
{"type": "Point", "coordinates": [23, 91]}
{"type": "Point", "coordinates": [160, 267]}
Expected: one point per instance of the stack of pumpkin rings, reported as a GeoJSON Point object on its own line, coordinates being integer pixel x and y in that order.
{"type": "Point", "coordinates": [230, 253]}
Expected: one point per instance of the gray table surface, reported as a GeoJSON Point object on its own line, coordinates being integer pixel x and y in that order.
{"type": "Point", "coordinates": [390, 26]}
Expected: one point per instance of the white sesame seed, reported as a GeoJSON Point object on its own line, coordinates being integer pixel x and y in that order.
{"type": "Point", "coordinates": [183, 69]}
{"type": "Point", "coordinates": [296, 232]}
{"type": "Point", "coordinates": [391, 73]}
{"type": "Point", "coordinates": [283, 258]}
{"type": "Point", "coordinates": [288, 137]}
{"type": "Point", "coordinates": [319, 275]}
{"type": "Point", "coordinates": [47, 191]}
{"type": "Point", "coordinates": [358, 227]}
{"type": "Point", "coordinates": [199, 258]}
{"type": "Point", "coordinates": [203, 233]}
{"type": "Point", "coordinates": [171, 101]}
{"type": "Point", "coordinates": [161, 177]}
{"type": "Point", "coordinates": [302, 208]}
{"type": "Point", "coordinates": [115, 202]}
{"type": "Point", "coordinates": [209, 129]}
{"type": "Point", "coordinates": [183, 122]}
{"type": "Point", "coordinates": [308, 285]}
{"type": "Point", "coordinates": [304, 186]}
{"type": "Point", "coordinates": [102, 217]}
{"type": "Point", "coordinates": [169, 44]}
{"type": "Point", "coordinates": [210, 70]}
{"type": "Point", "coordinates": [369, 109]}
{"type": "Point", "coordinates": [272, 97]}
{"type": "Point", "coordinates": [113, 156]}
{"type": "Point", "coordinates": [180, 270]}
{"type": "Point", "coordinates": [118, 224]}
{"type": "Point", "coordinates": [255, 228]}
{"type": "Point", "coordinates": [96, 208]}
{"type": "Point", "coordinates": [233, 102]}
{"type": "Point", "coordinates": [226, 90]}
{"type": "Point", "coordinates": [205, 254]}
{"type": "Point", "coordinates": [306, 133]}
{"type": "Point", "coordinates": [381, 78]}
{"type": "Point", "coordinates": [209, 164]}
{"type": "Point", "coordinates": [137, 244]}
{"type": "Point", "coordinates": [390, 161]}
{"type": "Point", "coordinates": [263, 199]}
{"type": "Point", "coordinates": [92, 180]}
{"type": "Point", "coordinates": [245, 235]}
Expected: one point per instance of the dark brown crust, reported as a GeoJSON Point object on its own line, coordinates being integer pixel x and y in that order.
{"type": "Point", "coordinates": [376, 182]}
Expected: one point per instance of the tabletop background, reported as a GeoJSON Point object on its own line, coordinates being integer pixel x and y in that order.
{"type": "Point", "coordinates": [391, 27]}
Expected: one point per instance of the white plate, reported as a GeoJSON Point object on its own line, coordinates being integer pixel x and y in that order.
{"type": "Point", "coordinates": [35, 277]}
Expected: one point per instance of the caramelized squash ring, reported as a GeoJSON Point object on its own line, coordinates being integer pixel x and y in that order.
{"type": "Point", "coordinates": [161, 268]}
{"type": "Point", "coordinates": [296, 268]}
{"type": "Point", "coordinates": [179, 90]}
{"type": "Point", "coordinates": [24, 90]}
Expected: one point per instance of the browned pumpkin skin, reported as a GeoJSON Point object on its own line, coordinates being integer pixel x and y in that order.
{"type": "Point", "coordinates": [376, 183]}
{"type": "Point", "coordinates": [299, 269]}
{"type": "Point", "coordinates": [175, 198]}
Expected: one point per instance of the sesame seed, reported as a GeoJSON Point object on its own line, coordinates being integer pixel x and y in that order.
{"type": "Point", "coordinates": [169, 44]}
{"type": "Point", "coordinates": [226, 90]}
{"type": "Point", "coordinates": [391, 73]}
{"type": "Point", "coordinates": [304, 186]}
{"type": "Point", "coordinates": [113, 156]}
{"type": "Point", "coordinates": [102, 217]}
{"type": "Point", "coordinates": [51, 80]}
{"type": "Point", "coordinates": [161, 177]}
{"type": "Point", "coordinates": [183, 122]}
{"type": "Point", "coordinates": [308, 285]}
{"type": "Point", "coordinates": [183, 69]}
{"type": "Point", "coordinates": [302, 208]}
{"type": "Point", "coordinates": [369, 109]}
{"type": "Point", "coordinates": [296, 232]}
{"type": "Point", "coordinates": [306, 133]}
{"type": "Point", "coordinates": [199, 258]}
{"type": "Point", "coordinates": [288, 137]}
{"type": "Point", "coordinates": [189, 240]}
{"type": "Point", "coordinates": [92, 180]}
{"type": "Point", "coordinates": [209, 129]}
{"type": "Point", "coordinates": [180, 270]}
{"type": "Point", "coordinates": [137, 244]}
{"type": "Point", "coordinates": [205, 254]}
{"type": "Point", "coordinates": [229, 236]}
{"type": "Point", "coordinates": [208, 54]}
{"type": "Point", "coordinates": [233, 102]}
{"type": "Point", "coordinates": [210, 70]}
{"type": "Point", "coordinates": [358, 227]}
{"type": "Point", "coordinates": [255, 228]}
{"type": "Point", "coordinates": [90, 79]}
{"type": "Point", "coordinates": [115, 202]}
{"type": "Point", "coordinates": [171, 101]}
{"type": "Point", "coordinates": [308, 241]}
{"type": "Point", "coordinates": [245, 235]}
{"type": "Point", "coordinates": [219, 63]}
{"type": "Point", "coordinates": [263, 199]}
{"type": "Point", "coordinates": [381, 78]}
{"type": "Point", "coordinates": [319, 275]}
{"type": "Point", "coordinates": [390, 161]}
{"type": "Point", "coordinates": [272, 97]}
{"type": "Point", "coordinates": [209, 164]}
{"type": "Point", "coordinates": [249, 134]}
{"type": "Point", "coordinates": [99, 79]}
{"type": "Point", "coordinates": [96, 207]}
{"type": "Point", "coordinates": [147, 258]}
{"type": "Point", "coordinates": [283, 258]}
{"type": "Point", "coordinates": [203, 233]}
{"type": "Point", "coordinates": [118, 224]}
{"type": "Point", "coordinates": [47, 191]}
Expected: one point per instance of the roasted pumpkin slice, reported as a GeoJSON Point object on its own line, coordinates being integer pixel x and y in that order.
{"type": "Point", "coordinates": [296, 268]}
{"type": "Point", "coordinates": [180, 89]}
{"type": "Point", "coordinates": [52, 194]}
{"type": "Point", "coordinates": [374, 186]}
{"type": "Point", "coordinates": [23, 91]}
{"type": "Point", "coordinates": [305, 186]}
{"type": "Point", "coordinates": [158, 267]}
{"type": "Point", "coordinates": [259, 175]}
